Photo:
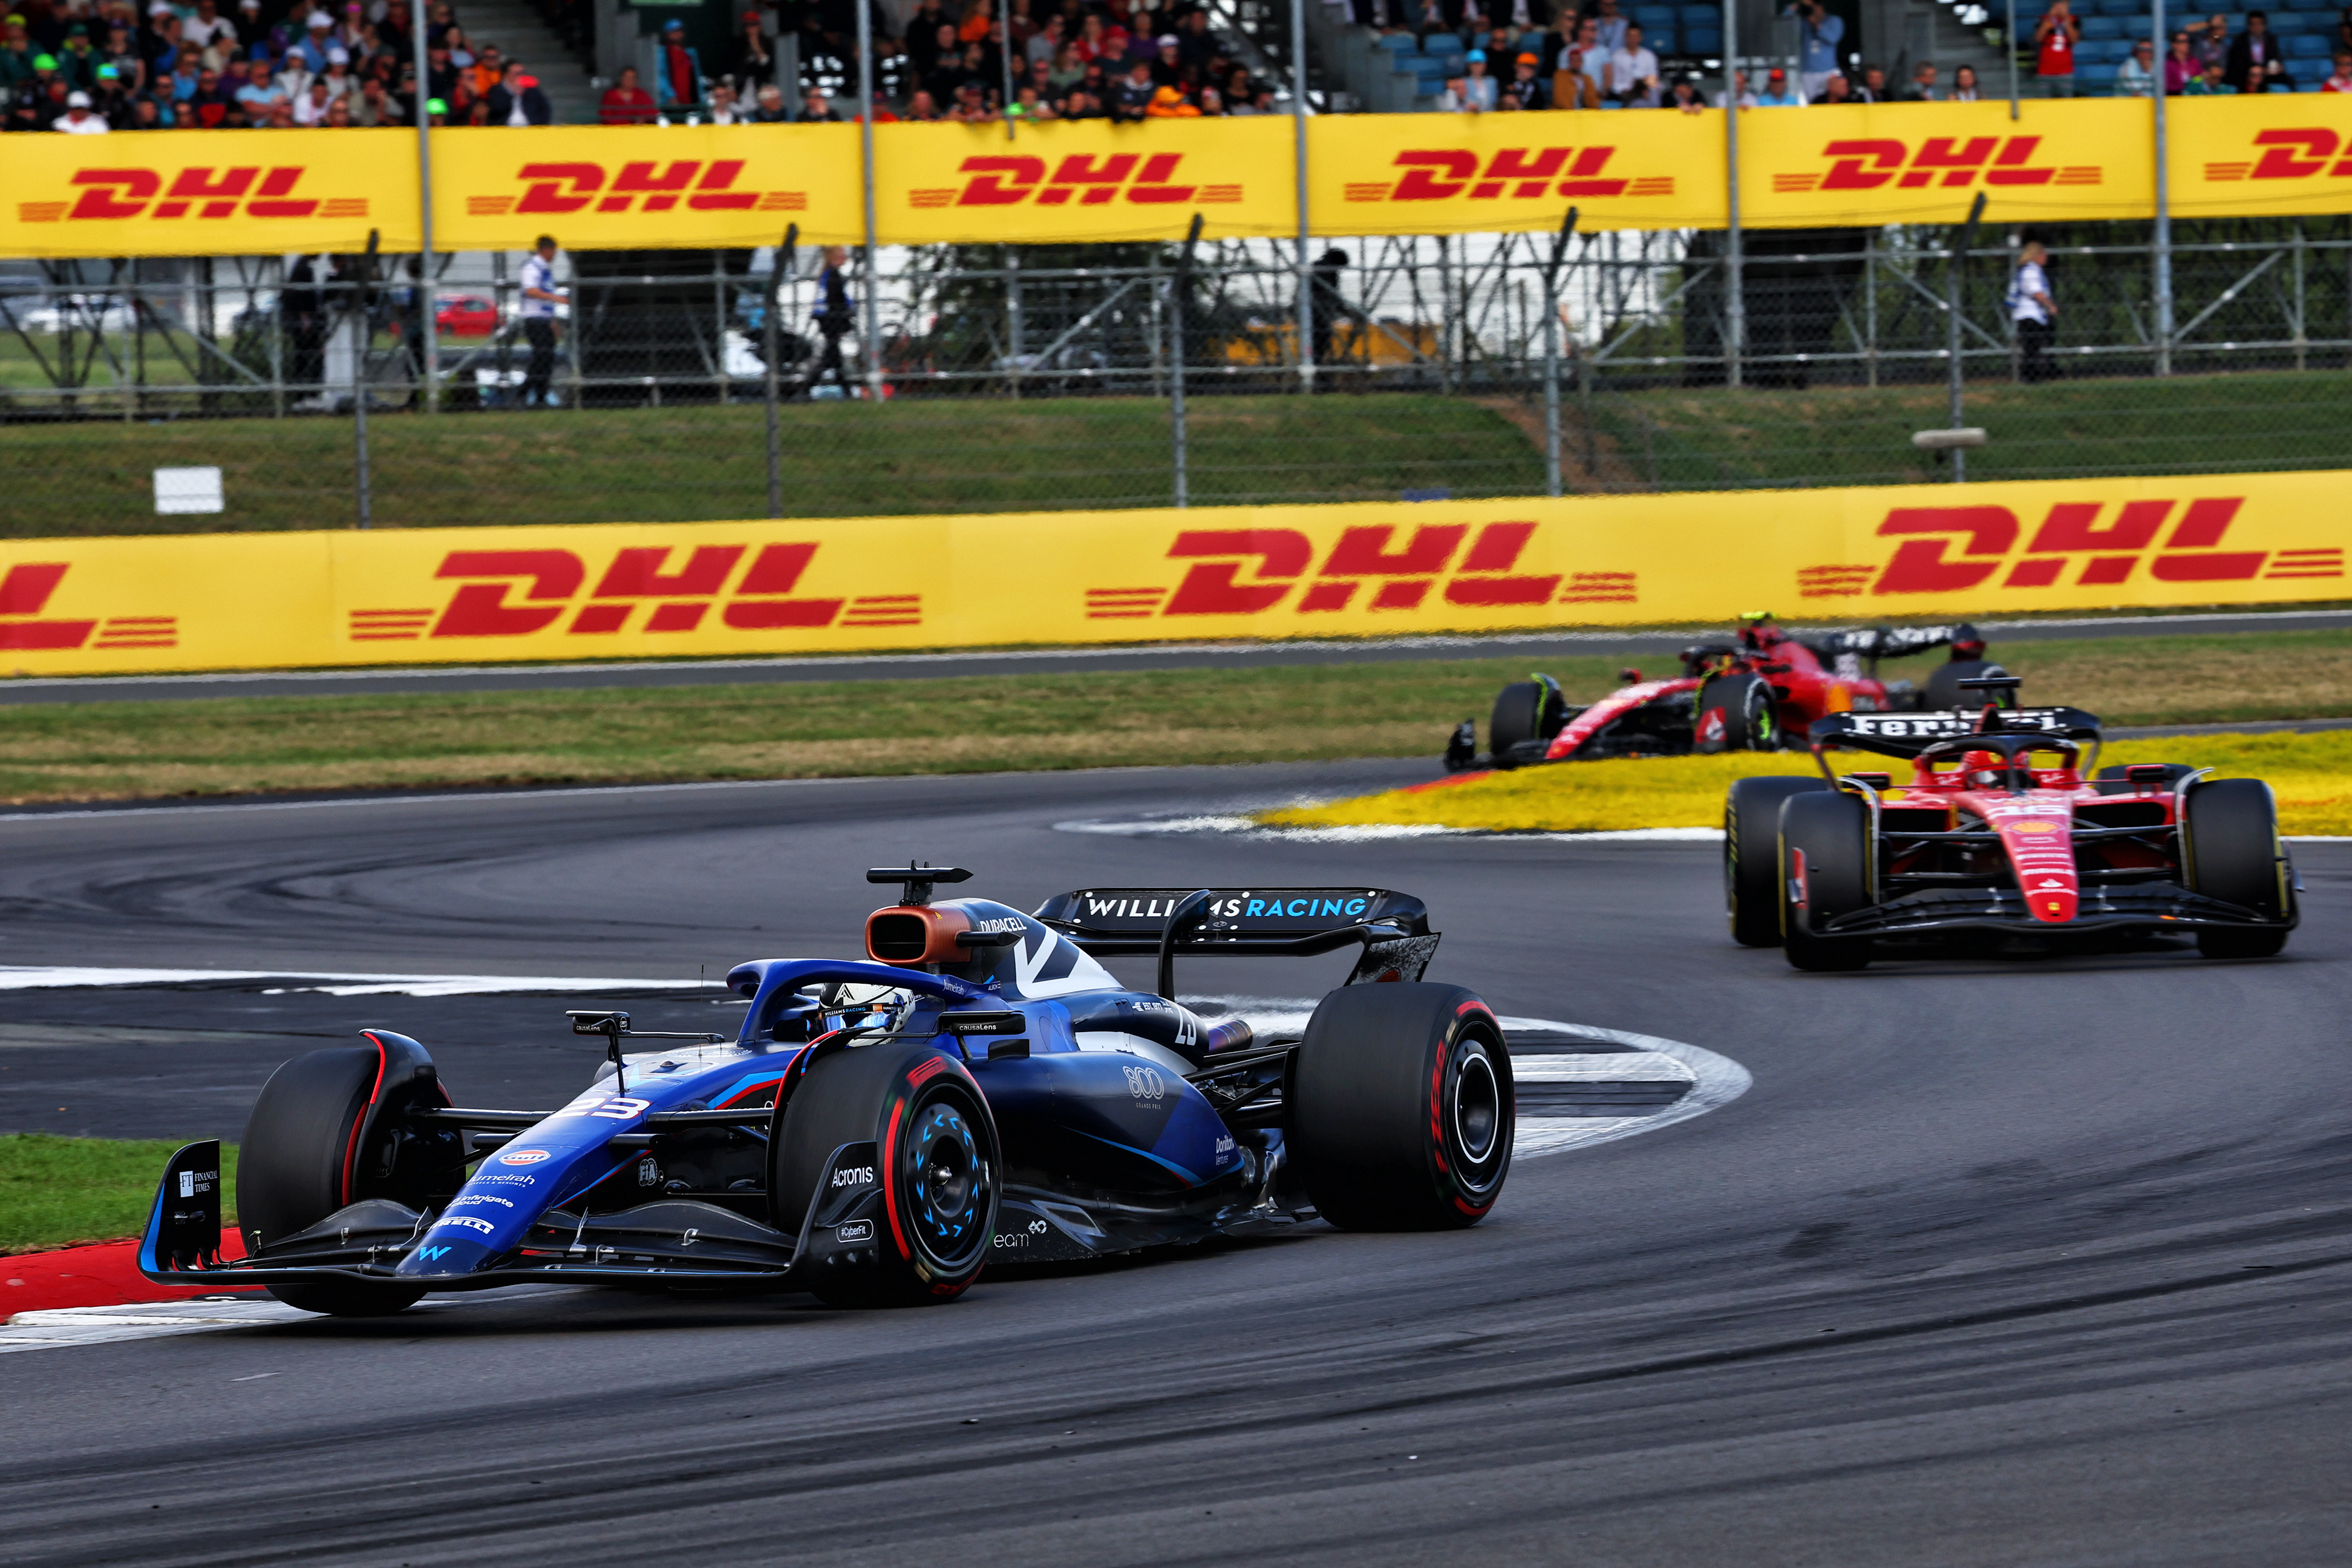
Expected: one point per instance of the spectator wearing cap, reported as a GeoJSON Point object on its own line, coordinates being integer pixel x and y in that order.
{"type": "Point", "coordinates": [293, 79]}
{"type": "Point", "coordinates": [315, 41]}
{"type": "Point", "coordinates": [517, 100]}
{"type": "Point", "coordinates": [748, 60]}
{"type": "Point", "coordinates": [2254, 64]}
{"type": "Point", "coordinates": [78, 119]}
{"type": "Point", "coordinates": [75, 62]}
{"type": "Point", "coordinates": [1168, 103]}
{"type": "Point", "coordinates": [16, 54]}
{"type": "Point", "coordinates": [248, 22]}
{"type": "Point", "coordinates": [338, 76]}
{"type": "Point", "coordinates": [1529, 87]}
{"type": "Point", "coordinates": [2136, 78]}
{"type": "Point", "coordinates": [1777, 93]}
{"type": "Point", "coordinates": [1166, 62]}
{"type": "Point", "coordinates": [1478, 85]}
{"type": "Point", "coordinates": [972, 106]}
{"type": "Point", "coordinates": [677, 70]}
{"type": "Point", "coordinates": [626, 102]}
{"type": "Point", "coordinates": [1631, 73]}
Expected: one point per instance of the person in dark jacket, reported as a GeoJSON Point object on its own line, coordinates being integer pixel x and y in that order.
{"type": "Point", "coordinates": [836, 316]}
{"type": "Point", "coordinates": [2255, 62]}
{"type": "Point", "coordinates": [516, 100]}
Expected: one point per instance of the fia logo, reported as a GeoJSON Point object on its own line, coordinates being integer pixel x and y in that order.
{"type": "Point", "coordinates": [1144, 1083]}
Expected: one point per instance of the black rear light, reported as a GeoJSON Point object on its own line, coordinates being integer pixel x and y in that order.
{"type": "Point", "coordinates": [2148, 775]}
{"type": "Point", "coordinates": [1875, 781]}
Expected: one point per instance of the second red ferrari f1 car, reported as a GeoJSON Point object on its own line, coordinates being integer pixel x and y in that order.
{"type": "Point", "coordinates": [2000, 831]}
{"type": "Point", "coordinates": [1756, 694]}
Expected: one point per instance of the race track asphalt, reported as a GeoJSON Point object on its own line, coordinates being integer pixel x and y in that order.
{"type": "Point", "coordinates": [2035, 1260]}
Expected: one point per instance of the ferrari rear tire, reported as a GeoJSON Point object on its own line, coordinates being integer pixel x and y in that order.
{"type": "Point", "coordinates": [1825, 846]}
{"type": "Point", "coordinates": [1517, 717]}
{"type": "Point", "coordinates": [938, 1159]}
{"type": "Point", "coordinates": [1735, 713]}
{"type": "Point", "coordinates": [1402, 1108]}
{"type": "Point", "coordinates": [1751, 855]}
{"type": "Point", "coordinates": [2231, 852]}
{"type": "Point", "coordinates": [1943, 689]}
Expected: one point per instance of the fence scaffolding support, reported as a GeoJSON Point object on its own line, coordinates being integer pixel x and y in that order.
{"type": "Point", "coordinates": [1551, 354]}
{"type": "Point", "coordinates": [1176, 429]}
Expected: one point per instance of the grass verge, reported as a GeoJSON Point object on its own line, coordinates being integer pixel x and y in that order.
{"type": "Point", "coordinates": [2311, 776]}
{"type": "Point", "coordinates": [63, 1192]}
{"type": "Point", "coordinates": [117, 751]}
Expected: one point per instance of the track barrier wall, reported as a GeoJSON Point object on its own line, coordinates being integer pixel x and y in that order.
{"type": "Point", "coordinates": [211, 602]}
{"type": "Point", "coordinates": [175, 193]}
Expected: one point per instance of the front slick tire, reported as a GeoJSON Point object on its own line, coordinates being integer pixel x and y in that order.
{"type": "Point", "coordinates": [1402, 1108]}
{"type": "Point", "coordinates": [1831, 832]}
{"type": "Point", "coordinates": [2234, 856]}
{"type": "Point", "coordinates": [936, 1152]}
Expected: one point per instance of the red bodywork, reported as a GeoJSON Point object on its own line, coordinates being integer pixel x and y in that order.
{"type": "Point", "coordinates": [466, 315]}
{"type": "Point", "coordinates": [2035, 824]}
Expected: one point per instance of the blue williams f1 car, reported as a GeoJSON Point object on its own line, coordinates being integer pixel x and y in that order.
{"type": "Point", "coordinates": [977, 1087]}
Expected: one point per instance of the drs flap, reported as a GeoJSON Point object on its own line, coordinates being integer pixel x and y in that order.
{"type": "Point", "coordinates": [1236, 916]}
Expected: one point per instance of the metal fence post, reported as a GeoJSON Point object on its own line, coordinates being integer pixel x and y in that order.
{"type": "Point", "coordinates": [1012, 315]}
{"type": "Point", "coordinates": [1176, 428]}
{"type": "Point", "coordinates": [866, 178]}
{"type": "Point", "coordinates": [2163, 213]}
{"type": "Point", "coordinates": [1298, 188]}
{"type": "Point", "coordinates": [358, 301]}
{"type": "Point", "coordinates": [430, 329]}
{"type": "Point", "coordinates": [1735, 295]}
{"type": "Point", "coordinates": [1955, 265]}
{"type": "Point", "coordinates": [1551, 354]}
{"type": "Point", "coordinates": [774, 347]}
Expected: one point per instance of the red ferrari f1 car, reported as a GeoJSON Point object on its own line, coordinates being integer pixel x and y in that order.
{"type": "Point", "coordinates": [1744, 696]}
{"type": "Point", "coordinates": [2000, 831]}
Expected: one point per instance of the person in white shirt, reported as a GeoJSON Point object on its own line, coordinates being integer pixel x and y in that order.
{"type": "Point", "coordinates": [1478, 87]}
{"type": "Point", "coordinates": [78, 120]}
{"type": "Point", "coordinates": [294, 81]}
{"type": "Point", "coordinates": [1631, 75]}
{"type": "Point", "coordinates": [2035, 312]}
{"type": "Point", "coordinates": [1745, 98]}
{"type": "Point", "coordinates": [337, 78]}
{"type": "Point", "coordinates": [2137, 78]}
{"type": "Point", "coordinates": [540, 299]}
{"type": "Point", "coordinates": [311, 108]}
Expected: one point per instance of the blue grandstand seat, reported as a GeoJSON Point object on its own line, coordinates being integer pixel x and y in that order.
{"type": "Point", "coordinates": [1702, 40]}
{"type": "Point", "coordinates": [1399, 43]}
{"type": "Point", "coordinates": [2097, 80]}
{"type": "Point", "coordinates": [2306, 4]}
{"type": "Point", "coordinates": [1657, 19]}
{"type": "Point", "coordinates": [2102, 26]}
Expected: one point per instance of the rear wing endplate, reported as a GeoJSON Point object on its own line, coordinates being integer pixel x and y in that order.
{"type": "Point", "coordinates": [1393, 929]}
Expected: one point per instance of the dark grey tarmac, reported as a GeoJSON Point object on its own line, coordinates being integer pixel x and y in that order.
{"type": "Point", "coordinates": [2033, 1260]}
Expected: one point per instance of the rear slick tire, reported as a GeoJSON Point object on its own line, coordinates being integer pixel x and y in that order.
{"type": "Point", "coordinates": [1402, 1108]}
{"type": "Point", "coordinates": [1751, 855]}
{"type": "Point", "coordinates": [1746, 721]}
{"type": "Point", "coordinates": [936, 1152]}
{"type": "Point", "coordinates": [1831, 832]}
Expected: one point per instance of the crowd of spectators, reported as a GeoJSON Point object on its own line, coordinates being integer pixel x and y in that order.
{"type": "Point", "coordinates": [89, 67]}
{"type": "Point", "coordinates": [977, 62]}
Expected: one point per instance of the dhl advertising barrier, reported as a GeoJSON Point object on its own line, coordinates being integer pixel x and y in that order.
{"type": "Point", "coordinates": [243, 192]}
{"type": "Point", "coordinates": [437, 595]}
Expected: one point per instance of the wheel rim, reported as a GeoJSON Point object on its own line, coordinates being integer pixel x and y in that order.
{"type": "Point", "coordinates": [1477, 1107]}
{"type": "Point", "coordinates": [947, 1185]}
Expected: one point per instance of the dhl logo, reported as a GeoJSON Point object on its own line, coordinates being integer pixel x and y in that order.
{"type": "Point", "coordinates": [1520, 174]}
{"type": "Point", "coordinates": [1080, 179]}
{"type": "Point", "coordinates": [1954, 549]}
{"type": "Point", "coordinates": [201, 191]}
{"type": "Point", "coordinates": [1952, 162]}
{"type": "Point", "coordinates": [1251, 571]}
{"type": "Point", "coordinates": [2294, 153]}
{"type": "Point", "coordinates": [518, 593]}
{"type": "Point", "coordinates": [26, 591]}
{"type": "Point", "coordinates": [649, 186]}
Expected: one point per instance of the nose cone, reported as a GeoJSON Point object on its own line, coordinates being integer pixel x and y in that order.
{"type": "Point", "coordinates": [446, 1251]}
{"type": "Point", "coordinates": [2041, 852]}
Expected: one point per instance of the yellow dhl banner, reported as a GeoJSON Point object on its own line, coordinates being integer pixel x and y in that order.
{"type": "Point", "coordinates": [597, 187]}
{"type": "Point", "coordinates": [443, 595]}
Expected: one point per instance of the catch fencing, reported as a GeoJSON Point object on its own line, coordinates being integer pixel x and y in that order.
{"type": "Point", "coordinates": [698, 385]}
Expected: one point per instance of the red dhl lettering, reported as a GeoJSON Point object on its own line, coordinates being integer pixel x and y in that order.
{"type": "Point", "coordinates": [646, 186]}
{"type": "Point", "coordinates": [1248, 572]}
{"type": "Point", "coordinates": [201, 191]}
{"type": "Point", "coordinates": [1434, 174]}
{"type": "Point", "coordinates": [1953, 550]}
{"type": "Point", "coordinates": [519, 593]}
{"type": "Point", "coordinates": [1079, 178]}
{"type": "Point", "coordinates": [26, 590]}
{"type": "Point", "coordinates": [1870, 164]}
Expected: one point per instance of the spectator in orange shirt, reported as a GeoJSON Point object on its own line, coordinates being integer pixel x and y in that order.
{"type": "Point", "coordinates": [977, 21]}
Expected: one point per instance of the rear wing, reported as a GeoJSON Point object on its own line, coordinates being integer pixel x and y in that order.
{"type": "Point", "coordinates": [1908, 735]}
{"type": "Point", "coordinates": [1391, 929]}
{"type": "Point", "coordinates": [1893, 642]}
